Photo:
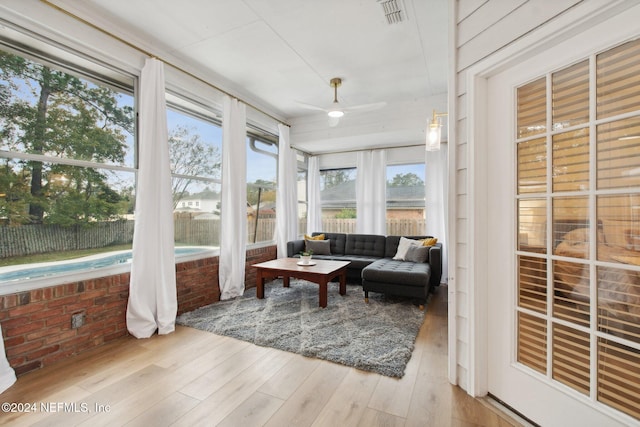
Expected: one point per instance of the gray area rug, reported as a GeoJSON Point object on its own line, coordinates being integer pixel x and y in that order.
{"type": "Point", "coordinates": [378, 336]}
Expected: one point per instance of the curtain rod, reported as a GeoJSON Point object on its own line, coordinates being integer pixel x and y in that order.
{"type": "Point", "coordinates": [356, 150]}
{"type": "Point", "coordinates": [151, 55]}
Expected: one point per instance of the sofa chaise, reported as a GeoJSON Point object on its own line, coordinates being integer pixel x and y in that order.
{"type": "Point", "coordinates": [373, 264]}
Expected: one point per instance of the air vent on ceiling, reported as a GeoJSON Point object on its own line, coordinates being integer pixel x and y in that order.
{"type": "Point", "coordinates": [393, 10]}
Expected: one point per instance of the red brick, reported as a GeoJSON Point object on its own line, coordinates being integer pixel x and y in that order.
{"type": "Point", "coordinates": [34, 355]}
{"type": "Point", "coordinates": [44, 332]}
{"type": "Point", "coordinates": [24, 348]}
{"type": "Point", "coordinates": [63, 301]}
{"type": "Point", "coordinates": [23, 329]}
{"type": "Point", "coordinates": [45, 314]}
{"type": "Point", "coordinates": [26, 309]}
{"type": "Point", "coordinates": [62, 336]}
{"type": "Point", "coordinates": [12, 342]}
{"type": "Point", "coordinates": [63, 319]}
{"type": "Point", "coordinates": [9, 301]}
{"type": "Point", "coordinates": [23, 369]}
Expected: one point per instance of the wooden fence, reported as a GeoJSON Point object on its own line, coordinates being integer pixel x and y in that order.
{"type": "Point", "coordinates": [38, 238]}
{"type": "Point", "coordinates": [395, 227]}
{"type": "Point", "coordinates": [35, 239]}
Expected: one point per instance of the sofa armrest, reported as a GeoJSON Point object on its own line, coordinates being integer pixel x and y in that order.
{"type": "Point", "coordinates": [294, 247]}
{"type": "Point", "coordinates": [435, 261]}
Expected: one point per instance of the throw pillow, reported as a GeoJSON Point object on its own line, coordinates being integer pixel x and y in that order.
{"type": "Point", "coordinates": [319, 247]}
{"type": "Point", "coordinates": [318, 237]}
{"type": "Point", "coordinates": [417, 254]}
{"type": "Point", "coordinates": [403, 247]}
{"type": "Point", "coordinates": [430, 241]}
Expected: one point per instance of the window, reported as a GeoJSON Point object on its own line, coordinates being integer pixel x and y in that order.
{"type": "Point", "coordinates": [67, 160]}
{"type": "Point", "coordinates": [262, 173]}
{"type": "Point", "coordinates": [578, 247]}
{"type": "Point", "coordinates": [406, 199]}
{"type": "Point", "coordinates": [338, 198]}
{"type": "Point", "coordinates": [195, 147]}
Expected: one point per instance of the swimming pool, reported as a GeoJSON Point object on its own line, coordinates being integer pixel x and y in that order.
{"type": "Point", "coordinates": [35, 271]}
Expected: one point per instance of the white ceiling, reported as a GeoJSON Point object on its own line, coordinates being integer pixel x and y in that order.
{"type": "Point", "coordinates": [277, 54]}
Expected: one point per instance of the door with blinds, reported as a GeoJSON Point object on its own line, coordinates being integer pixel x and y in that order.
{"type": "Point", "coordinates": [564, 320]}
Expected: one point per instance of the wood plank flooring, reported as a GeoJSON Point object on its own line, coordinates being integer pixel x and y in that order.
{"type": "Point", "coordinates": [193, 378]}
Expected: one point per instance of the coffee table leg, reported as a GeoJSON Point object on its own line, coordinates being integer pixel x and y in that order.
{"type": "Point", "coordinates": [322, 296]}
{"type": "Point", "coordinates": [343, 283]}
{"type": "Point", "coordinates": [285, 281]}
{"type": "Point", "coordinates": [259, 285]}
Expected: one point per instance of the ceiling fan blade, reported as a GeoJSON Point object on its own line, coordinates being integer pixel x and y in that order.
{"type": "Point", "coordinates": [311, 107]}
{"type": "Point", "coordinates": [366, 107]}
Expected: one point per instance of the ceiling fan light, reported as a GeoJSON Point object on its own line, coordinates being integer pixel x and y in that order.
{"type": "Point", "coordinates": [335, 112]}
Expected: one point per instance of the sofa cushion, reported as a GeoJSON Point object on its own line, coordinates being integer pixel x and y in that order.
{"type": "Point", "coordinates": [318, 247]}
{"type": "Point", "coordinates": [391, 245]}
{"type": "Point", "coordinates": [318, 237]}
{"type": "Point", "coordinates": [417, 254]}
{"type": "Point", "coordinates": [358, 261]}
{"type": "Point", "coordinates": [403, 248]}
{"type": "Point", "coordinates": [387, 270]}
{"type": "Point", "coordinates": [429, 241]}
{"type": "Point", "coordinates": [370, 245]}
{"type": "Point", "coordinates": [336, 241]}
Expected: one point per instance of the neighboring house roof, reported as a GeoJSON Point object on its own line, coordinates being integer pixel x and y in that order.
{"type": "Point", "coordinates": [343, 195]}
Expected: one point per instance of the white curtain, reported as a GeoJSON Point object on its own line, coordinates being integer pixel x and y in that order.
{"type": "Point", "coordinates": [437, 200]}
{"type": "Point", "coordinates": [7, 374]}
{"type": "Point", "coordinates": [314, 207]}
{"type": "Point", "coordinates": [286, 193]}
{"type": "Point", "coordinates": [371, 192]}
{"type": "Point", "coordinates": [233, 233]}
{"type": "Point", "coordinates": [152, 290]}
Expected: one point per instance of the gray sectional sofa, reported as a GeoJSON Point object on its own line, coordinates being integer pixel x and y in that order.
{"type": "Point", "coordinates": [372, 262]}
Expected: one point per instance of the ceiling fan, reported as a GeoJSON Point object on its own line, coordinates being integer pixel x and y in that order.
{"type": "Point", "coordinates": [337, 110]}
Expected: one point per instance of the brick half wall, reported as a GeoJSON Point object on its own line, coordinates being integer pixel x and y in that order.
{"type": "Point", "coordinates": [37, 324]}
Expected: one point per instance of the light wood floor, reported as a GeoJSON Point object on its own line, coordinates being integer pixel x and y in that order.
{"type": "Point", "coordinates": [192, 378]}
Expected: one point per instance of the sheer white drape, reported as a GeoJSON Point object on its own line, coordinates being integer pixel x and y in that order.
{"type": "Point", "coordinates": [152, 290]}
{"type": "Point", "coordinates": [437, 179]}
{"type": "Point", "coordinates": [314, 207]}
{"type": "Point", "coordinates": [371, 192]}
{"type": "Point", "coordinates": [7, 374]}
{"type": "Point", "coordinates": [286, 193]}
{"type": "Point", "coordinates": [233, 232]}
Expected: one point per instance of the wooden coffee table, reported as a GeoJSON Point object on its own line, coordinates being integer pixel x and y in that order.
{"type": "Point", "coordinates": [321, 273]}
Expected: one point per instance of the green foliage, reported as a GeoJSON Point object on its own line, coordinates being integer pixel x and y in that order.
{"type": "Point", "coordinates": [335, 177]}
{"type": "Point", "coordinates": [191, 156]}
{"type": "Point", "coordinates": [14, 195]}
{"type": "Point", "coordinates": [261, 189]}
{"type": "Point", "coordinates": [49, 112]}
{"type": "Point", "coordinates": [406, 180]}
{"type": "Point", "coordinates": [346, 213]}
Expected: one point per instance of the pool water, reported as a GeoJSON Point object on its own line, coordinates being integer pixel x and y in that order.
{"type": "Point", "coordinates": [34, 271]}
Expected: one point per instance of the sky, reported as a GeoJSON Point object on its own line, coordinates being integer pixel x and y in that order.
{"type": "Point", "coordinates": [259, 166]}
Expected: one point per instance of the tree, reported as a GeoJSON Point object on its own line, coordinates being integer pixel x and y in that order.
{"type": "Point", "coordinates": [14, 194]}
{"type": "Point", "coordinates": [191, 157]}
{"type": "Point", "coordinates": [262, 188]}
{"type": "Point", "coordinates": [346, 213]}
{"type": "Point", "coordinates": [68, 117]}
{"type": "Point", "coordinates": [335, 177]}
{"type": "Point", "coordinates": [406, 180]}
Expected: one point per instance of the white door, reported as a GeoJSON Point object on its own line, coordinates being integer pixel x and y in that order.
{"type": "Point", "coordinates": [563, 190]}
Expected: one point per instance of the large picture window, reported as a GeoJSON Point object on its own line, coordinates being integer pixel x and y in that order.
{"type": "Point", "coordinates": [406, 200]}
{"type": "Point", "coordinates": [67, 158]}
{"type": "Point", "coordinates": [195, 146]}
{"type": "Point", "coordinates": [338, 198]}
{"type": "Point", "coordinates": [262, 173]}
